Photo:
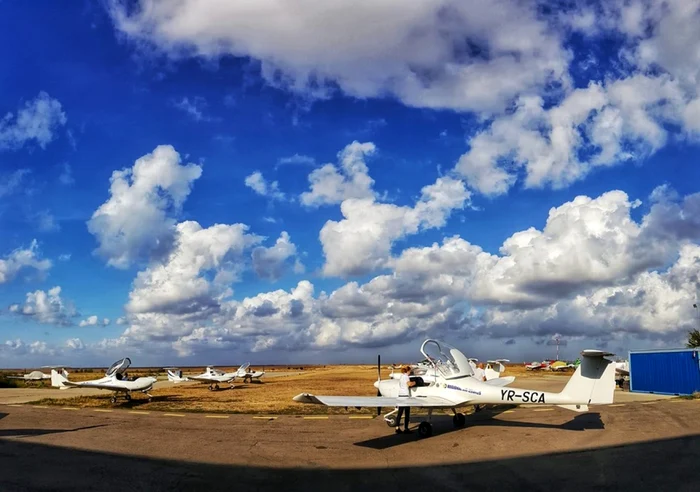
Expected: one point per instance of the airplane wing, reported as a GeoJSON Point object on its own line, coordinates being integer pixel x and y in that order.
{"type": "Point", "coordinates": [102, 386]}
{"type": "Point", "coordinates": [378, 401]}
{"type": "Point", "coordinates": [500, 381]}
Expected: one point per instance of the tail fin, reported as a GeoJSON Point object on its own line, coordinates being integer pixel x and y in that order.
{"type": "Point", "coordinates": [57, 380]}
{"type": "Point", "coordinates": [175, 375]}
{"type": "Point", "coordinates": [593, 383]}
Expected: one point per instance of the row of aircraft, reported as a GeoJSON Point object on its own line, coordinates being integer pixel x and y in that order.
{"type": "Point", "coordinates": [213, 376]}
{"type": "Point", "coordinates": [444, 379]}
{"type": "Point", "coordinates": [116, 379]}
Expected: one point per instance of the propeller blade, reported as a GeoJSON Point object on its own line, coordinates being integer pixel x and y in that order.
{"type": "Point", "coordinates": [379, 378]}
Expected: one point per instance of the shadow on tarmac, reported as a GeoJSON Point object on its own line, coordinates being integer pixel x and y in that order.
{"type": "Point", "coordinates": [668, 464]}
{"type": "Point", "coordinates": [443, 425]}
{"type": "Point", "coordinates": [41, 432]}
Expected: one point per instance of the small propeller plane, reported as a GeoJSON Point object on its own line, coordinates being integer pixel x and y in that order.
{"type": "Point", "coordinates": [214, 376]}
{"type": "Point", "coordinates": [39, 375]}
{"type": "Point", "coordinates": [454, 386]}
{"type": "Point", "coordinates": [114, 380]}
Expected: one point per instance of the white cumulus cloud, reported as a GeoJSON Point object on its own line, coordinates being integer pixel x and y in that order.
{"type": "Point", "coordinates": [38, 120]}
{"type": "Point", "coordinates": [46, 307]}
{"type": "Point", "coordinates": [259, 185]}
{"type": "Point", "coordinates": [138, 220]}
{"type": "Point", "coordinates": [20, 259]}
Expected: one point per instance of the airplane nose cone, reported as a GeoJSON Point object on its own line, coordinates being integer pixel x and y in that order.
{"type": "Point", "coordinates": [376, 384]}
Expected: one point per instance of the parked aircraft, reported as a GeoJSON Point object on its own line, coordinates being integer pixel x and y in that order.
{"type": "Point", "coordinates": [454, 387]}
{"type": "Point", "coordinates": [537, 366]}
{"type": "Point", "coordinates": [248, 375]}
{"type": "Point", "coordinates": [622, 371]}
{"type": "Point", "coordinates": [39, 375]}
{"type": "Point", "coordinates": [560, 365]}
{"type": "Point", "coordinates": [114, 380]}
{"type": "Point", "coordinates": [214, 376]}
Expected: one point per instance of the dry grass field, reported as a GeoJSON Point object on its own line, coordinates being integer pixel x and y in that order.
{"type": "Point", "coordinates": [271, 396]}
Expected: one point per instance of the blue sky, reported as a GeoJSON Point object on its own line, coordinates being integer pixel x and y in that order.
{"type": "Point", "coordinates": [452, 145]}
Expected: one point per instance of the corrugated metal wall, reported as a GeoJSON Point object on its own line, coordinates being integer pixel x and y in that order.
{"type": "Point", "coordinates": [668, 372]}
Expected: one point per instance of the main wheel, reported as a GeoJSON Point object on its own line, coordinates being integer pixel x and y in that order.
{"type": "Point", "coordinates": [211, 387]}
{"type": "Point", "coordinates": [113, 399]}
{"type": "Point", "coordinates": [216, 387]}
{"type": "Point", "coordinates": [128, 397]}
{"type": "Point", "coordinates": [390, 421]}
{"type": "Point", "coordinates": [425, 429]}
{"type": "Point", "coordinates": [459, 420]}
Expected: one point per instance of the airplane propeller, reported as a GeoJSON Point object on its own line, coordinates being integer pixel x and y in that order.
{"type": "Point", "coordinates": [379, 378]}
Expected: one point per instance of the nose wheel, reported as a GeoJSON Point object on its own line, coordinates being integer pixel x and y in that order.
{"type": "Point", "coordinates": [390, 418]}
{"type": "Point", "coordinates": [459, 420]}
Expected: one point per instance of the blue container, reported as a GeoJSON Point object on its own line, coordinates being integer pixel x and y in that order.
{"type": "Point", "coordinates": [666, 372]}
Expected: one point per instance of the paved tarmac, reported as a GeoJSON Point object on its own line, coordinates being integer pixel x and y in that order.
{"type": "Point", "coordinates": [652, 445]}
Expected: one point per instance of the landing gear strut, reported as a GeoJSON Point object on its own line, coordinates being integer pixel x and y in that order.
{"type": "Point", "coordinates": [390, 418]}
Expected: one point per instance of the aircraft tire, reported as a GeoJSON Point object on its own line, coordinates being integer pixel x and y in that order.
{"type": "Point", "coordinates": [425, 429]}
{"type": "Point", "coordinates": [459, 420]}
{"type": "Point", "coordinates": [390, 421]}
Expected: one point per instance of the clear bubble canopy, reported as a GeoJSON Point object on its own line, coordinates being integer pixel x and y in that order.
{"type": "Point", "coordinates": [449, 361]}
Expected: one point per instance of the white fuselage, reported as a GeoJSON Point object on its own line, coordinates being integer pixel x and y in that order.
{"type": "Point", "coordinates": [477, 392]}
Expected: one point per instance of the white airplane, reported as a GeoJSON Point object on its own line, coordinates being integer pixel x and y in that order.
{"type": "Point", "coordinates": [247, 375]}
{"type": "Point", "coordinates": [454, 387]}
{"type": "Point", "coordinates": [114, 380]}
{"type": "Point", "coordinates": [213, 376]}
{"type": "Point", "coordinates": [39, 375]}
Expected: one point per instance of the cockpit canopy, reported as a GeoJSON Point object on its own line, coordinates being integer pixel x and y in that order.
{"type": "Point", "coordinates": [447, 360]}
{"type": "Point", "coordinates": [119, 367]}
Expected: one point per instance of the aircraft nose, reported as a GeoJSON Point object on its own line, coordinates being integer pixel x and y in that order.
{"type": "Point", "coordinates": [376, 384]}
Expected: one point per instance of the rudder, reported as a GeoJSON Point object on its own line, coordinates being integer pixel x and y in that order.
{"type": "Point", "coordinates": [593, 383]}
